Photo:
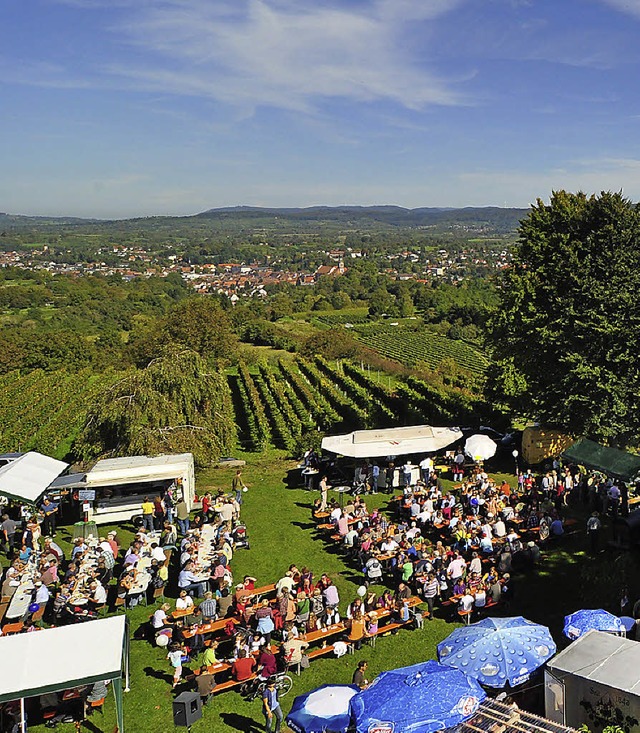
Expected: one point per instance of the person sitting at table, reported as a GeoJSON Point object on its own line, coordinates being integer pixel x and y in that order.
{"type": "Point", "coordinates": [265, 621]}
{"type": "Point", "coordinates": [188, 581]}
{"type": "Point", "coordinates": [25, 552]}
{"type": "Point", "coordinates": [51, 548]}
{"type": "Point", "coordinates": [98, 596]}
{"type": "Point", "coordinates": [49, 575]}
{"type": "Point", "coordinates": [243, 667]}
{"type": "Point", "coordinates": [159, 619]}
{"type": "Point", "coordinates": [59, 607]}
{"type": "Point", "coordinates": [184, 602]}
{"type": "Point", "coordinates": [208, 607]}
{"type": "Point", "coordinates": [206, 684]}
{"type": "Point", "coordinates": [267, 663]}
{"type": "Point", "coordinates": [480, 597]}
{"type": "Point", "coordinates": [292, 651]}
{"type": "Point", "coordinates": [210, 658]}
{"type": "Point", "coordinates": [357, 629]}
{"type": "Point", "coordinates": [126, 581]}
{"type": "Point", "coordinates": [466, 602]}
{"type": "Point", "coordinates": [329, 617]}
{"type": "Point", "coordinates": [157, 553]}
{"type": "Point", "coordinates": [42, 594]}
{"type": "Point", "coordinates": [79, 548]}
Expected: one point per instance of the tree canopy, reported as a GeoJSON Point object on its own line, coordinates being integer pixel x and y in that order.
{"type": "Point", "coordinates": [176, 404]}
{"type": "Point", "coordinates": [566, 330]}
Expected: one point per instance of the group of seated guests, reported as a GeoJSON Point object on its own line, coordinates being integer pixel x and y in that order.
{"type": "Point", "coordinates": [460, 545]}
{"type": "Point", "coordinates": [303, 604]}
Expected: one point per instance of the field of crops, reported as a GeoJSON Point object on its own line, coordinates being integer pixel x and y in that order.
{"type": "Point", "coordinates": [413, 347]}
{"type": "Point", "coordinates": [44, 411]}
{"type": "Point", "coordinates": [283, 402]}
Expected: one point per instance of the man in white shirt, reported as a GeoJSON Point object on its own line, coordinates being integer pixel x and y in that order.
{"type": "Point", "coordinates": [285, 583]}
{"type": "Point", "coordinates": [98, 594]}
{"type": "Point", "coordinates": [389, 545]}
{"type": "Point", "coordinates": [406, 470]}
{"type": "Point", "coordinates": [475, 566]}
{"type": "Point", "coordinates": [336, 513]}
{"type": "Point", "coordinates": [426, 465]}
{"type": "Point", "coordinates": [157, 553]}
{"type": "Point", "coordinates": [42, 593]}
{"type": "Point", "coordinates": [456, 567]}
{"type": "Point", "coordinates": [499, 528]}
{"type": "Point", "coordinates": [466, 602]}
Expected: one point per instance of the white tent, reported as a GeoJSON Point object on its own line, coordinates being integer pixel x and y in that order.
{"type": "Point", "coordinates": [391, 441]}
{"type": "Point", "coordinates": [29, 476]}
{"type": "Point", "coordinates": [66, 657]}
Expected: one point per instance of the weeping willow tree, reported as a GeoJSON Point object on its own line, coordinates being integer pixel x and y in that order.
{"type": "Point", "coordinates": [176, 404]}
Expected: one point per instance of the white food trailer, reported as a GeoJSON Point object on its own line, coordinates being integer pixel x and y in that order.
{"type": "Point", "coordinates": [114, 489]}
{"type": "Point", "coordinates": [595, 681]}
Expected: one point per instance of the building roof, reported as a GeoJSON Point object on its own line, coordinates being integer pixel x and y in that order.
{"type": "Point", "coordinates": [600, 657]}
{"type": "Point", "coordinates": [27, 477]}
{"type": "Point", "coordinates": [139, 468]}
{"type": "Point", "coordinates": [615, 462]}
{"type": "Point", "coordinates": [391, 441]}
{"type": "Point", "coordinates": [77, 655]}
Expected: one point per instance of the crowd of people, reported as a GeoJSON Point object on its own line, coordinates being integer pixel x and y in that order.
{"type": "Point", "coordinates": [456, 549]}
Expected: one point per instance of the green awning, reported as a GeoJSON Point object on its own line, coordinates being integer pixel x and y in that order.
{"type": "Point", "coordinates": [617, 463]}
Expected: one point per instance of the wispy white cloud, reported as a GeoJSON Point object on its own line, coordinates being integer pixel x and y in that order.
{"type": "Point", "coordinates": [631, 7]}
{"type": "Point", "coordinates": [283, 54]}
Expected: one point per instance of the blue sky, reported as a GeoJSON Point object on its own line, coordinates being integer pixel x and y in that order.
{"type": "Point", "coordinates": [117, 108]}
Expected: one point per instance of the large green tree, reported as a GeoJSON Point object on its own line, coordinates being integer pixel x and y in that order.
{"type": "Point", "coordinates": [177, 403]}
{"type": "Point", "coordinates": [567, 330]}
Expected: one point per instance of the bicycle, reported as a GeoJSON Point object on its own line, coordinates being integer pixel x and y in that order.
{"type": "Point", "coordinates": [283, 684]}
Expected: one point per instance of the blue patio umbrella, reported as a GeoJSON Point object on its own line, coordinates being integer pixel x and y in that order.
{"type": "Point", "coordinates": [422, 698]}
{"type": "Point", "coordinates": [497, 651]}
{"type": "Point", "coordinates": [578, 623]}
{"type": "Point", "coordinates": [322, 710]}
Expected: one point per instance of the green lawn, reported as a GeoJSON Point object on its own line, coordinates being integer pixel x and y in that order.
{"type": "Point", "coordinates": [281, 532]}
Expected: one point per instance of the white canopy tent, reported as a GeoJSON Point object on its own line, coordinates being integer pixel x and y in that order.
{"type": "Point", "coordinates": [391, 441]}
{"type": "Point", "coordinates": [66, 657]}
{"type": "Point", "coordinates": [29, 476]}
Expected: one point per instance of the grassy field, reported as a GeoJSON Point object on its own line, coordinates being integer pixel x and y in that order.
{"type": "Point", "coordinates": [281, 532]}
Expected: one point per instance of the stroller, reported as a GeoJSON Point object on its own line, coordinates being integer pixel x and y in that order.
{"type": "Point", "coordinates": [240, 538]}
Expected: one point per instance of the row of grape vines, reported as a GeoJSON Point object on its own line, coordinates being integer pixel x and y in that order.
{"type": "Point", "coordinates": [44, 411]}
{"type": "Point", "coordinates": [414, 347]}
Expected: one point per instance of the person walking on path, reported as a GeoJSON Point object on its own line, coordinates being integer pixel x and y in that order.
{"type": "Point", "coordinates": [271, 708]}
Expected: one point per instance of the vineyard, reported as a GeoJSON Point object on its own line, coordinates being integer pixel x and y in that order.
{"type": "Point", "coordinates": [412, 347]}
{"type": "Point", "coordinates": [284, 402]}
{"type": "Point", "coordinates": [44, 411]}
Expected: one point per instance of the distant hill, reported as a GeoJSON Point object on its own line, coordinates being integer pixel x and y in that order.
{"type": "Point", "coordinates": [492, 217]}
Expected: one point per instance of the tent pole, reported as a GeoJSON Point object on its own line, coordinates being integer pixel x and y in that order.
{"type": "Point", "coordinates": [23, 717]}
{"type": "Point", "coordinates": [127, 648]}
{"type": "Point", "coordinates": [117, 693]}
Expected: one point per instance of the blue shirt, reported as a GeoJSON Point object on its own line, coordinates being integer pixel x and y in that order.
{"type": "Point", "coordinates": [270, 697]}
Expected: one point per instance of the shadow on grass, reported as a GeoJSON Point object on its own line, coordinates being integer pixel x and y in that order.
{"type": "Point", "coordinates": [241, 722]}
{"type": "Point", "coordinates": [158, 674]}
{"type": "Point", "coordinates": [304, 525]}
{"type": "Point", "coordinates": [89, 725]}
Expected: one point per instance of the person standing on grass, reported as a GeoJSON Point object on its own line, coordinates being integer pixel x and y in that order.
{"type": "Point", "coordinates": [359, 678]}
{"type": "Point", "coordinates": [594, 525]}
{"type": "Point", "coordinates": [271, 708]}
{"type": "Point", "coordinates": [324, 494]}
{"type": "Point", "coordinates": [238, 486]}
{"type": "Point", "coordinates": [175, 659]}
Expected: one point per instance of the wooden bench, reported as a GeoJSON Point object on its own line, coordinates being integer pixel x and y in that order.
{"type": "Point", "coordinates": [230, 684]}
{"type": "Point", "coordinates": [320, 651]}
